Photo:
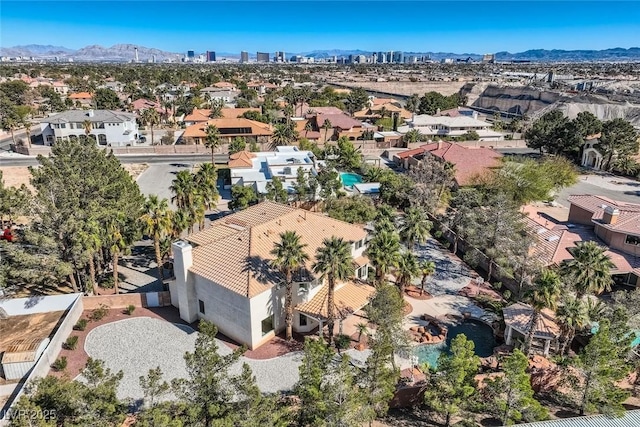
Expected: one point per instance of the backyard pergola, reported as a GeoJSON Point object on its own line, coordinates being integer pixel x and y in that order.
{"type": "Point", "coordinates": [518, 319]}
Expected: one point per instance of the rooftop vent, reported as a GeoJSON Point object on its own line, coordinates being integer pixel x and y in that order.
{"type": "Point", "coordinates": [553, 238]}
{"type": "Point", "coordinates": [541, 230]}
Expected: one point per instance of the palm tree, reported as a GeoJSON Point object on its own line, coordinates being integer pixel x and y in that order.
{"type": "Point", "coordinates": [151, 118]}
{"type": "Point", "coordinates": [289, 256]}
{"type": "Point", "coordinates": [157, 223]}
{"type": "Point", "coordinates": [92, 242]}
{"type": "Point", "coordinates": [184, 189]}
{"type": "Point", "coordinates": [87, 125]}
{"type": "Point", "coordinates": [206, 182]}
{"type": "Point", "coordinates": [333, 260]}
{"type": "Point", "coordinates": [212, 140]}
{"type": "Point", "coordinates": [544, 294]}
{"type": "Point", "coordinates": [413, 103]}
{"type": "Point", "coordinates": [281, 135]}
{"type": "Point", "coordinates": [407, 268]}
{"type": "Point", "coordinates": [308, 127]}
{"type": "Point", "coordinates": [119, 241]}
{"type": "Point", "coordinates": [383, 251]}
{"type": "Point", "coordinates": [326, 126]}
{"type": "Point", "coordinates": [362, 329]}
{"type": "Point", "coordinates": [179, 223]}
{"type": "Point", "coordinates": [23, 112]}
{"type": "Point", "coordinates": [590, 269]}
{"type": "Point", "coordinates": [571, 316]}
{"type": "Point", "coordinates": [427, 268]}
{"type": "Point", "coordinates": [416, 227]}
{"type": "Point", "coordinates": [10, 124]}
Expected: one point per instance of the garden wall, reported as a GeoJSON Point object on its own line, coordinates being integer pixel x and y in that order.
{"type": "Point", "coordinates": [125, 300]}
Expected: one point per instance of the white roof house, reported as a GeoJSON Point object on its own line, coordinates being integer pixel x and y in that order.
{"type": "Point", "coordinates": [257, 169]}
{"type": "Point", "coordinates": [451, 126]}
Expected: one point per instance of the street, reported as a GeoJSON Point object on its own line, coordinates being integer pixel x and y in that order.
{"type": "Point", "coordinates": [131, 158]}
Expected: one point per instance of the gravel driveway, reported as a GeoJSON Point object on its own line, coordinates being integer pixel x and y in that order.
{"type": "Point", "coordinates": [139, 344]}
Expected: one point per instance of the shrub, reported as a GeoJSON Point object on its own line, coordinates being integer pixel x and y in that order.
{"type": "Point", "coordinates": [99, 313]}
{"type": "Point", "coordinates": [60, 364]}
{"type": "Point", "coordinates": [130, 308]}
{"type": "Point", "coordinates": [71, 343]}
{"type": "Point", "coordinates": [342, 341]}
{"type": "Point", "coordinates": [107, 282]}
{"type": "Point", "coordinates": [81, 325]}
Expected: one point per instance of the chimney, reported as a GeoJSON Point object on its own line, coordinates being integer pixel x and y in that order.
{"type": "Point", "coordinates": [187, 299]}
{"type": "Point", "coordinates": [475, 115]}
{"type": "Point", "coordinates": [610, 215]}
{"type": "Point", "coordinates": [438, 112]}
{"type": "Point", "coordinates": [90, 113]}
{"type": "Point", "coordinates": [439, 144]}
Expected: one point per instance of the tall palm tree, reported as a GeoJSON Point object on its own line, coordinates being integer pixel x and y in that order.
{"type": "Point", "coordinates": [10, 124]}
{"type": "Point", "coordinates": [87, 126]}
{"type": "Point", "coordinates": [212, 140]}
{"type": "Point", "coordinates": [383, 251]}
{"type": "Point", "coordinates": [179, 223]}
{"type": "Point", "coordinates": [282, 135]}
{"type": "Point", "coordinates": [92, 242]}
{"type": "Point", "coordinates": [184, 189]}
{"type": "Point", "coordinates": [157, 223]}
{"type": "Point", "coordinates": [406, 269]}
{"type": "Point", "coordinates": [23, 113]}
{"type": "Point", "coordinates": [571, 316]}
{"type": "Point", "coordinates": [118, 243]}
{"type": "Point", "coordinates": [308, 127]}
{"type": "Point", "coordinates": [544, 294]}
{"type": "Point", "coordinates": [589, 271]}
{"type": "Point", "coordinates": [206, 182]}
{"type": "Point", "coordinates": [289, 255]}
{"type": "Point", "coordinates": [427, 268]}
{"type": "Point", "coordinates": [151, 118]}
{"type": "Point", "coordinates": [416, 227]}
{"type": "Point", "coordinates": [326, 125]}
{"type": "Point", "coordinates": [333, 260]}
{"type": "Point", "coordinates": [413, 103]}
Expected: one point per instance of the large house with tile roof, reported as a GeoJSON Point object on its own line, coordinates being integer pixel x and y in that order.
{"type": "Point", "coordinates": [456, 126]}
{"type": "Point", "coordinates": [224, 274]}
{"type": "Point", "coordinates": [108, 128]}
{"type": "Point", "coordinates": [200, 115]}
{"type": "Point", "coordinates": [229, 129]}
{"type": "Point", "coordinates": [468, 162]}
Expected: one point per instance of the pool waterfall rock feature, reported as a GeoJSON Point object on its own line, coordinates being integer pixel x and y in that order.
{"type": "Point", "coordinates": [432, 333]}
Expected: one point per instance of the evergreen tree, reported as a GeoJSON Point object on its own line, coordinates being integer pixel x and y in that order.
{"type": "Point", "coordinates": [242, 197]}
{"type": "Point", "coordinates": [452, 387]}
{"type": "Point", "coordinates": [276, 191]}
{"type": "Point", "coordinates": [509, 397]}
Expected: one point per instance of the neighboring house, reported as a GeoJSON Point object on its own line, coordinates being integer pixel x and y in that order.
{"type": "Point", "coordinates": [376, 111]}
{"type": "Point", "coordinates": [341, 125]}
{"type": "Point", "coordinates": [591, 156]}
{"type": "Point", "coordinates": [468, 162]}
{"type": "Point", "coordinates": [81, 99]}
{"type": "Point", "coordinates": [258, 169]}
{"type": "Point", "coordinates": [225, 85]}
{"type": "Point", "coordinates": [228, 96]}
{"type": "Point", "coordinates": [228, 129]}
{"type": "Point", "coordinates": [61, 87]}
{"type": "Point", "coordinates": [224, 273]}
{"type": "Point", "coordinates": [202, 115]}
{"type": "Point", "coordinates": [445, 126]}
{"type": "Point", "coordinates": [301, 128]}
{"type": "Point", "coordinates": [518, 318]}
{"type": "Point", "coordinates": [110, 128]}
{"type": "Point", "coordinates": [613, 224]}
{"type": "Point", "coordinates": [139, 105]}
{"type": "Point", "coordinates": [262, 87]}
{"type": "Point", "coordinates": [388, 139]}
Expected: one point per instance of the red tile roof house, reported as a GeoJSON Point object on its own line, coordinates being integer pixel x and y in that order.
{"type": "Point", "coordinates": [613, 224]}
{"type": "Point", "coordinates": [139, 105]}
{"type": "Point", "coordinates": [341, 124]}
{"type": "Point", "coordinates": [468, 162]}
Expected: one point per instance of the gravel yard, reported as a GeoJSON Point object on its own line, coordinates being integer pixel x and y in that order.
{"type": "Point", "coordinates": [139, 344]}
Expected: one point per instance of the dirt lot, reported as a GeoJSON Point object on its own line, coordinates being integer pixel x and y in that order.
{"type": "Point", "coordinates": [15, 176]}
{"type": "Point", "coordinates": [409, 88]}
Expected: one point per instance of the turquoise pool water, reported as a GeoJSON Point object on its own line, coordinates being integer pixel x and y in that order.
{"type": "Point", "coordinates": [348, 179]}
{"type": "Point", "coordinates": [480, 333]}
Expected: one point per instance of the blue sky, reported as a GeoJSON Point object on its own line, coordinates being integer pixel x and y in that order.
{"type": "Point", "coordinates": [299, 26]}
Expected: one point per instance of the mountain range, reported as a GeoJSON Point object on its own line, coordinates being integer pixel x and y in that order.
{"type": "Point", "coordinates": [126, 52]}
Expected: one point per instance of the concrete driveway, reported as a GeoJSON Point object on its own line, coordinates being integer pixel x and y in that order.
{"type": "Point", "coordinates": [157, 179]}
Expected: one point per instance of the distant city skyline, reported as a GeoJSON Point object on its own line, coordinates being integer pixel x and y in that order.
{"type": "Point", "coordinates": [302, 26]}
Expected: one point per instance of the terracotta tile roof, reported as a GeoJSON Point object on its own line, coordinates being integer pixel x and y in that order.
{"type": "Point", "coordinates": [409, 153]}
{"type": "Point", "coordinates": [341, 121]}
{"type": "Point", "coordinates": [198, 130]}
{"type": "Point", "coordinates": [198, 115]}
{"type": "Point", "coordinates": [379, 101]}
{"type": "Point", "coordinates": [143, 104]}
{"type": "Point", "coordinates": [323, 110]}
{"type": "Point", "coordinates": [519, 317]}
{"type": "Point", "coordinates": [245, 239]}
{"type": "Point", "coordinates": [628, 219]}
{"type": "Point", "coordinates": [361, 261]}
{"type": "Point", "coordinates": [468, 162]}
{"type": "Point", "coordinates": [546, 243]}
{"type": "Point", "coordinates": [348, 298]}
{"type": "Point", "coordinates": [241, 159]}
{"type": "Point", "coordinates": [223, 84]}
{"type": "Point", "coordinates": [81, 95]}
{"type": "Point", "coordinates": [232, 113]}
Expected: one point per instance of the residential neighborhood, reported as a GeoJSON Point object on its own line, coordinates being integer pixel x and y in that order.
{"type": "Point", "coordinates": [320, 238]}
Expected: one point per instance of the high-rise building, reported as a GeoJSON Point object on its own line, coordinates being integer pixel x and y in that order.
{"type": "Point", "coordinates": [280, 57]}
{"type": "Point", "coordinates": [191, 54]}
{"type": "Point", "coordinates": [211, 56]}
{"type": "Point", "coordinates": [398, 57]}
{"type": "Point", "coordinates": [489, 58]}
{"type": "Point", "coordinates": [262, 56]}
{"type": "Point", "coordinates": [244, 57]}
{"type": "Point", "coordinates": [381, 58]}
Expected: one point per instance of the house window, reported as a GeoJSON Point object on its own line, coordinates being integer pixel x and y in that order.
{"type": "Point", "coordinates": [63, 126]}
{"type": "Point", "coordinates": [303, 320]}
{"type": "Point", "coordinates": [267, 325]}
{"type": "Point", "coordinates": [632, 240]}
{"type": "Point", "coordinates": [362, 272]}
{"type": "Point", "coordinates": [303, 288]}
{"type": "Point", "coordinates": [102, 139]}
{"type": "Point", "coordinates": [358, 244]}
{"type": "Point", "coordinates": [49, 139]}
{"type": "Point", "coordinates": [201, 306]}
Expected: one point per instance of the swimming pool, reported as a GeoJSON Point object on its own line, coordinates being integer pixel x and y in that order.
{"type": "Point", "coordinates": [348, 179]}
{"type": "Point", "coordinates": [480, 333]}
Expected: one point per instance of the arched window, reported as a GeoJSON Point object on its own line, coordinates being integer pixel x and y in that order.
{"type": "Point", "coordinates": [83, 138]}
{"type": "Point", "coordinates": [73, 138]}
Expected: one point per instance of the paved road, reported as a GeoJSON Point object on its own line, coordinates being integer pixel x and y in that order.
{"type": "Point", "coordinates": [6, 141]}
{"type": "Point", "coordinates": [629, 192]}
{"type": "Point", "coordinates": [130, 158]}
